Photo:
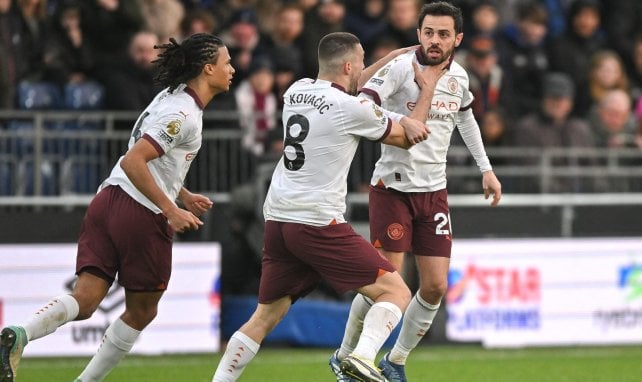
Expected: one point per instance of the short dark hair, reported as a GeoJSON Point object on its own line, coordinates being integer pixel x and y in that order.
{"type": "Point", "coordinates": [335, 45]}
{"type": "Point", "coordinates": [179, 63]}
{"type": "Point", "coordinates": [442, 8]}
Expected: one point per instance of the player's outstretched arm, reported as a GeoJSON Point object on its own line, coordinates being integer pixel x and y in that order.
{"type": "Point", "coordinates": [372, 69]}
{"type": "Point", "coordinates": [491, 185]}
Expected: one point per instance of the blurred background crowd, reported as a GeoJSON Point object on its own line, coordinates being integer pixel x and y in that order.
{"type": "Point", "coordinates": [564, 73]}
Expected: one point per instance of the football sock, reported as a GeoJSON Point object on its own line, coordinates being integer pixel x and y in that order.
{"type": "Point", "coordinates": [240, 350]}
{"type": "Point", "coordinates": [358, 310]}
{"type": "Point", "coordinates": [416, 322]}
{"type": "Point", "coordinates": [117, 341]}
{"type": "Point", "coordinates": [380, 320]}
{"type": "Point", "coordinates": [58, 311]}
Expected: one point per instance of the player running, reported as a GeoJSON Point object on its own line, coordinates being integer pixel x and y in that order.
{"type": "Point", "coordinates": [129, 225]}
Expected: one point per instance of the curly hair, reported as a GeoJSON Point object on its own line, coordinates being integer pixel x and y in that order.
{"type": "Point", "coordinates": [179, 63]}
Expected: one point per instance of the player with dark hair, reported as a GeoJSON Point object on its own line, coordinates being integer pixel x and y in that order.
{"type": "Point", "coordinates": [129, 225]}
{"type": "Point", "coordinates": [408, 199]}
{"type": "Point", "coordinates": [306, 236]}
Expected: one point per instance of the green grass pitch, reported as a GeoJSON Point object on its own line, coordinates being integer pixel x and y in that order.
{"type": "Point", "coordinates": [428, 363]}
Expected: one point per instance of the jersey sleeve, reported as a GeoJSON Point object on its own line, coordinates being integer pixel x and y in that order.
{"type": "Point", "coordinates": [170, 130]}
{"type": "Point", "coordinates": [384, 82]}
{"type": "Point", "coordinates": [367, 119]}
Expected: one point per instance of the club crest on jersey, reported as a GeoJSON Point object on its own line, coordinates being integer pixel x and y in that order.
{"type": "Point", "coordinates": [174, 127]}
{"type": "Point", "coordinates": [383, 72]}
{"type": "Point", "coordinates": [453, 85]}
{"type": "Point", "coordinates": [377, 111]}
{"type": "Point", "coordinates": [395, 231]}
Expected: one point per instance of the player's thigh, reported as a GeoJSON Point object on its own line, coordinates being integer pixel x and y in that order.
{"type": "Point", "coordinates": [432, 233]}
{"type": "Point", "coordinates": [143, 243]}
{"type": "Point", "coordinates": [341, 256]}
{"type": "Point", "coordinates": [282, 272]}
{"type": "Point", "coordinates": [390, 219]}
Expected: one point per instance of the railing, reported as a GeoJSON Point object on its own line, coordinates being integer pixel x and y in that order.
{"type": "Point", "coordinates": [62, 154]}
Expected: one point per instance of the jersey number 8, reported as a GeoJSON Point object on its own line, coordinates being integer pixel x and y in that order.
{"type": "Point", "coordinates": [296, 130]}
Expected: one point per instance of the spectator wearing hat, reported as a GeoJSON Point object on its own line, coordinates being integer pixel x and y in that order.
{"type": "Point", "coordinates": [554, 126]}
{"type": "Point", "coordinates": [257, 105]}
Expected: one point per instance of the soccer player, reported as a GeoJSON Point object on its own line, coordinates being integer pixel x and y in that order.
{"type": "Point", "coordinates": [129, 225]}
{"type": "Point", "coordinates": [306, 236]}
{"type": "Point", "coordinates": [408, 203]}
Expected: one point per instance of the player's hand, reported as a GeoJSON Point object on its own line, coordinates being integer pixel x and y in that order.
{"type": "Point", "coordinates": [400, 51]}
{"type": "Point", "coordinates": [196, 203]}
{"type": "Point", "coordinates": [491, 185]}
{"type": "Point", "coordinates": [415, 131]}
{"type": "Point", "coordinates": [182, 220]}
{"type": "Point", "coordinates": [428, 77]}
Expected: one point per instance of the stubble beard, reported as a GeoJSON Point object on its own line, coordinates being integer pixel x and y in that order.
{"type": "Point", "coordinates": [436, 61]}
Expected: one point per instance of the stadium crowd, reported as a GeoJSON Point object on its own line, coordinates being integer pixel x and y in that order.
{"type": "Point", "coordinates": [544, 72]}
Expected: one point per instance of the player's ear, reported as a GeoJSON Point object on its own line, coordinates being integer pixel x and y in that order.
{"type": "Point", "coordinates": [458, 38]}
{"type": "Point", "coordinates": [347, 67]}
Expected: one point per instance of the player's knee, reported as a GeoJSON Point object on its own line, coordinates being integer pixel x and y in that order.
{"type": "Point", "coordinates": [433, 292]}
{"type": "Point", "coordinates": [403, 296]}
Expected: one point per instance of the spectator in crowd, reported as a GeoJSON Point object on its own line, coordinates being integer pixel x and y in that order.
{"type": "Point", "coordinates": [367, 20]}
{"type": "Point", "coordinates": [484, 20]}
{"type": "Point", "coordinates": [554, 126]}
{"type": "Point", "coordinates": [523, 56]}
{"type": "Point", "coordinates": [68, 57]}
{"type": "Point", "coordinates": [163, 17]}
{"type": "Point", "coordinates": [284, 47]}
{"type": "Point", "coordinates": [571, 53]}
{"type": "Point", "coordinates": [402, 22]}
{"type": "Point", "coordinates": [109, 27]}
{"type": "Point", "coordinates": [328, 16]}
{"type": "Point", "coordinates": [381, 48]}
{"type": "Point", "coordinates": [635, 74]}
{"type": "Point", "coordinates": [613, 121]}
{"type": "Point", "coordinates": [244, 40]}
{"type": "Point", "coordinates": [487, 82]}
{"type": "Point", "coordinates": [130, 86]}
{"type": "Point", "coordinates": [257, 105]}
{"type": "Point", "coordinates": [606, 72]}
{"type": "Point", "coordinates": [198, 20]}
{"type": "Point", "coordinates": [622, 22]}
{"type": "Point", "coordinates": [33, 19]}
{"type": "Point", "coordinates": [11, 53]}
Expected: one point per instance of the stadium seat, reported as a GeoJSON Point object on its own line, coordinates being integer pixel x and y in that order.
{"type": "Point", "coordinates": [82, 174]}
{"type": "Point", "coordinates": [87, 95]}
{"type": "Point", "coordinates": [39, 96]}
{"type": "Point", "coordinates": [49, 169]}
{"type": "Point", "coordinates": [8, 172]}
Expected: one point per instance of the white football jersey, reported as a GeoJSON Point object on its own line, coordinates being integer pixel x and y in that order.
{"type": "Point", "coordinates": [422, 168]}
{"type": "Point", "coordinates": [322, 127]}
{"type": "Point", "coordinates": [173, 123]}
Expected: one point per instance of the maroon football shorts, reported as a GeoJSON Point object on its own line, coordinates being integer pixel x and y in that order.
{"type": "Point", "coordinates": [405, 221]}
{"type": "Point", "coordinates": [297, 256]}
{"type": "Point", "coordinates": [121, 236]}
